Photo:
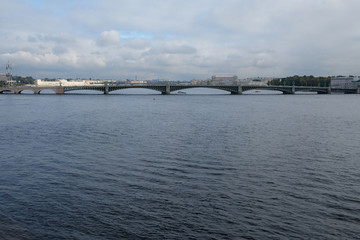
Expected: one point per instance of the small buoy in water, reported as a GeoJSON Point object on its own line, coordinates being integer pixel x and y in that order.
{"type": "Point", "coordinates": [153, 98]}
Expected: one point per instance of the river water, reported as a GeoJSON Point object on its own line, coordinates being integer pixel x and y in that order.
{"type": "Point", "coordinates": [179, 167]}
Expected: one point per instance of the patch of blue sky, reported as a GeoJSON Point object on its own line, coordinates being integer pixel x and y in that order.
{"type": "Point", "coordinates": [36, 3]}
{"type": "Point", "coordinates": [136, 34]}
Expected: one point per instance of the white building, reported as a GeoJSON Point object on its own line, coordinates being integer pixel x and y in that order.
{"type": "Point", "coordinates": [65, 83]}
{"type": "Point", "coordinates": [344, 82]}
{"type": "Point", "coordinates": [131, 81]}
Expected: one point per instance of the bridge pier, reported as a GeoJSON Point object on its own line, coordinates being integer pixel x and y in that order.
{"type": "Point", "coordinates": [106, 89]}
{"type": "Point", "coordinates": [59, 90]}
{"type": "Point", "coordinates": [292, 90]}
{"type": "Point", "coordinates": [238, 91]}
{"type": "Point", "coordinates": [167, 90]}
{"type": "Point", "coordinates": [327, 91]}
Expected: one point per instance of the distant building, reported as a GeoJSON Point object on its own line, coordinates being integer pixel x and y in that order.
{"type": "Point", "coordinates": [3, 77]}
{"type": "Point", "coordinates": [132, 81]}
{"type": "Point", "coordinates": [65, 83]}
{"type": "Point", "coordinates": [216, 78]}
{"type": "Point", "coordinates": [344, 82]}
{"type": "Point", "coordinates": [6, 79]}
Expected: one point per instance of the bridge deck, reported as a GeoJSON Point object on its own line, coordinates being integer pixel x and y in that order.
{"type": "Point", "coordinates": [168, 88]}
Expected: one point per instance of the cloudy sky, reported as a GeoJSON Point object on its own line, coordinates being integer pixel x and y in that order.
{"type": "Point", "coordinates": [179, 40]}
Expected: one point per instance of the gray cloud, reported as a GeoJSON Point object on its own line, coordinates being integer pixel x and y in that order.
{"type": "Point", "coordinates": [59, 50]}
{"type": "Point", "coordinates": [171, 48]}
{"type": "Point", "coordinates": [137, 43]}
{"type": "Point", "coordinates": [182, 49]}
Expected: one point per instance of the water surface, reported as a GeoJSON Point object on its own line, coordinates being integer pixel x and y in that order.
{"type": "Point", "coordinates": [179, 166]}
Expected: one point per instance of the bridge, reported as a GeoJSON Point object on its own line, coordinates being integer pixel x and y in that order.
{"type": "Point", "coordinates": [169, 88]}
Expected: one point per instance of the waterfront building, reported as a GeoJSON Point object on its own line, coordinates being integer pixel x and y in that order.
{"type": "Point", "coordinates": [344, 82]}
{"type": "Point", "coordinates": [65, 83]}
{"type": "Point", "coordinates": [132, 81]}
{"type": "Point", "coordinates": [216, 78]}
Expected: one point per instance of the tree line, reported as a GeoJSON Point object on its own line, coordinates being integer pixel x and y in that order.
{"type": "Point", "coordinates": [23, 80]}
{"type": "Point", "coordinates": [302, 81]}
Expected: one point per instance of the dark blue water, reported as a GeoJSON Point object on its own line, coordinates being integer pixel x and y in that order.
{"type": "Point", "coordinates": [179, 167]}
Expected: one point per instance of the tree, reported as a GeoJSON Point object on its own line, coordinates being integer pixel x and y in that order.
{"type": "Point", "coordinates": [302, 81]}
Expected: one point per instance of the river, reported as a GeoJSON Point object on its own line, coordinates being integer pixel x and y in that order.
{"type": "Point", "coordinates": [194, 166]}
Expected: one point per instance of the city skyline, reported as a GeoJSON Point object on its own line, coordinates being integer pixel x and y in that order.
{"type": "Point", "coordinates": [179, 40]}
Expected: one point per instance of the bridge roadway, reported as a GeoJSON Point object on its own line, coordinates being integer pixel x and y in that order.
{"type": "Point", "coordinates": [168, 88]}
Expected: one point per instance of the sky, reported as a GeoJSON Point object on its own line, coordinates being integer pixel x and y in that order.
{"type": "Point", "coordinates": [179, 40]}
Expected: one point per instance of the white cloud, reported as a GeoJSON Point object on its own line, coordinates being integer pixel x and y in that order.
{"type": "Point", "coordinates": [108, 38]}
